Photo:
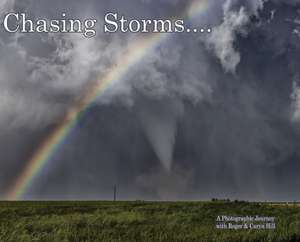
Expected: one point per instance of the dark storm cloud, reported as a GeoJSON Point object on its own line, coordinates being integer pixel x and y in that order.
{"type": "Point", "coordinates": [212, 116]}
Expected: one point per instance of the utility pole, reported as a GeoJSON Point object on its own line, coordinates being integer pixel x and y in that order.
{"type": "Point", "coordinates": [115, 192]}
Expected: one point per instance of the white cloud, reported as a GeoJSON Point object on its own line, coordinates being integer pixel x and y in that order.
{"type": "Point", "coordinates": [221, 40]}
{"type": "Point", "coordinates": [295, 102]}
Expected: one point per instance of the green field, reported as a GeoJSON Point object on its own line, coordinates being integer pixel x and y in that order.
{"type": "Point", "coordinates": [141, 221]}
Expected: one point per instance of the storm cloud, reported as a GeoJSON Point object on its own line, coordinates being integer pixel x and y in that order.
{"type": "Point", "coordinates": [200, 116]}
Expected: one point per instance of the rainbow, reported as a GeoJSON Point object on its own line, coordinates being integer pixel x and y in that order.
{"type": "Point", "coordinates": [134, 54]}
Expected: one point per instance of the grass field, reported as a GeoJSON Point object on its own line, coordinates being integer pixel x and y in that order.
{"type": "Point", "coordinates": [140, 221]}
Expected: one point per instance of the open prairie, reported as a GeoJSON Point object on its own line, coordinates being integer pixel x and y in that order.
{"type": "Point", "coordinates": [142, 221]}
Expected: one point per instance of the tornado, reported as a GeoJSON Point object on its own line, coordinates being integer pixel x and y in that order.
{"type": "Point", "coordinates": [159, 120]}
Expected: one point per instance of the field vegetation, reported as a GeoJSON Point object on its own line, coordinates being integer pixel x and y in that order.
{"type": "Point", "coordinates": [141, 221]}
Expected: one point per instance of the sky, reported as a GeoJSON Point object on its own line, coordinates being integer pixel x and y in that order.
{"type": "Point", "coordinates": [200, 116]}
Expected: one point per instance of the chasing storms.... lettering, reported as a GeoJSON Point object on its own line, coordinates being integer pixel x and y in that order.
{"type": "Point", "coordinates": [21, 22]}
